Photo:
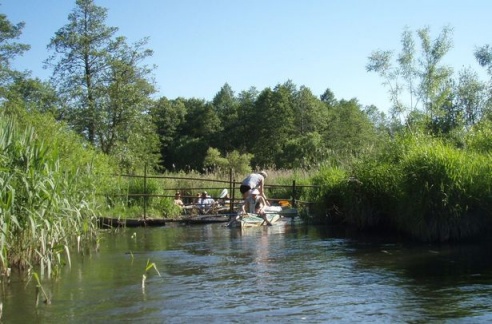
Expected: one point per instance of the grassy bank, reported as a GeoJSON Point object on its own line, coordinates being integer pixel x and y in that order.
{"type": "Point", "coordinates": [420, 186]}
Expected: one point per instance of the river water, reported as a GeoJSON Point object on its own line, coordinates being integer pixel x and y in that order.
{"type": "Point", "coordinates": [279, 274]}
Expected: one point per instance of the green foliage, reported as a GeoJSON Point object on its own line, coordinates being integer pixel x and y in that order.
{"type": "Point", "coordinates": [31, 95]}
{"type": "Point", "coordinates": [141, 191]}
{"type": "Point", "coordinates": [479, 138]}
{"type": "Point", "coordinates": [214, 160]}
{"type": "Point", "coordinates": [447, 191]}
{"type": "Point", "coordinates": [240, 163]}
{"type": "Point", "coordinates": [375, 193]}
{"type": "Point", "coordinates": [168, 118]}
{"type": "Point", "coordinates": [9, 50]}
{"type": "Point", "coordinates": [330, 194]}
{"type": "Point", "coordinates": [421, 186]}
{"type": "Point", "coordinates": [423, 79]}
{"type": "Point", "coordinates": [105, 86]}
{"type": "Point", "coordinates": [44, 205]}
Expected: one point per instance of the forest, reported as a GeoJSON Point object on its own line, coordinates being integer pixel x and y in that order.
{"type": "Point", "coordinates": [422, 170]}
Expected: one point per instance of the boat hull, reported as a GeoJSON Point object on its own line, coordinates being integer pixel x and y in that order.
{"type": "Point", "coordinates": [253, 220]}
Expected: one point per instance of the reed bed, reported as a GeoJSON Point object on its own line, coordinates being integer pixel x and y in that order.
{"type": "Point", "coordinates": [44, 209]}
{"type": "Point", "coordinates": [420, 186]}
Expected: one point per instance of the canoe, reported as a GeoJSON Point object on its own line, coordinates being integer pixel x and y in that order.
{"type": "Point", "coordinates": [253, 220]}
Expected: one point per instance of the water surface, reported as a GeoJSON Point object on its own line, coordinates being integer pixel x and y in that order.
{"type": "Point", "coordinates": [287, 274]}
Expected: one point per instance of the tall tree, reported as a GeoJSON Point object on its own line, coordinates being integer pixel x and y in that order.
{"type": "Point", "coordinates": [273, 124]}
{"type": "Point", "coordinates": [435, 86]}
{"type": "Point", "coordinates": [169, 118]}
{"type": "Point", "coordinates": [310, 112]}
{"type": "Point", "coordinates": [226, 105]}
{"type": "Point", "coordinates": [32, 95]}
{"type": "Point", "coordinates": [349, 130]}
{"type": "Point", "coordinates": [328, 97]}
{"type": "Point", "coordinates": [104, 83]}
{"type": "Point", "coordinates": [423, 79]}
{"type": "Point", "coordinates": [9, 50]}
{"type": "Point", "coordinates": [80, 62]}
{"type": "Point", "coordinates": [246, 120]}
{"type": "Point", "coordinates": [484, 57]}
{"type": "Point", "coordinates": [471, 97]}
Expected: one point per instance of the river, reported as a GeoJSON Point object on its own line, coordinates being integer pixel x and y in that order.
{"type": "Point", "coordinates": [279, 274]}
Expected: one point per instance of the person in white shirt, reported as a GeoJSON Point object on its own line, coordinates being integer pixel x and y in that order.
{"type": "Point", "coordinates": [254, 181]}
{"type": "Point", "coordinates": [205, 202]}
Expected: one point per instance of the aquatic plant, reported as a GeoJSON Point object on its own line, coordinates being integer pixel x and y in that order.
{"type": "Point", "coordinates": [148, 267]}
{"type": "Point", "coordinates": [44, 206]}
{"type": "Point", "coordinates": [39, 288]}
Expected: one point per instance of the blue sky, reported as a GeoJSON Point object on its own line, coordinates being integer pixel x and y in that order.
{"type": "Point", "coordinates": [199, 45]}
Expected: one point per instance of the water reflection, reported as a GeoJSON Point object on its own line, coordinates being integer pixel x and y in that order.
{"type": "Point", "coordinates": [270, 274]}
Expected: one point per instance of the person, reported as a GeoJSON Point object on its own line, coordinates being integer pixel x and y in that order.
{"type": "Point", "coordinates": [177, 199]}
{"type": "Point", "coordinates": [255, 203]}
{"type": "Point", "coordinates": [254, 181]}
{"type": "Point", "coordinates": [224, 198]}
{"type": "Point", "coordinates": [196, 200]}
{"type": "Point", "coordinates": [205, 202]}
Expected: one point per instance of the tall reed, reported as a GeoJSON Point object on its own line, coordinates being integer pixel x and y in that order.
{"type": "Point", "coordinates": [420, 186]}
{"type": "Point", "coordinates": [447, 191]}
{"type": "Point", "coordinates": [44, 207]}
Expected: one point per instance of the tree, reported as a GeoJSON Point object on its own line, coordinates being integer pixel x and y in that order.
{"type": "Point", "coordinates": [273, 124]}
{"type": "Point", "coordinates": [471, 97]}
{"type": "Point", "coordinates": [328, 97]}
{"type": "Point", "coordinates": [484, 57]}
{"type": "Point", "coordinates": [169, 118]}
{"type": "Point", "coordinates": [32, 95]}
{"type": "Point", "coordinates": [187, 128]}
{"type": "Point", "coordinates": [127, 99]}
{"type": "Point", "coordinates": [202, 120]}
{"type": "Point", "coordinates": [310, 112]}
{"type": "Point", "coordinates": [104, 83]}
{"type": "Point", "coordinates": [349, 130]}
{"type": "Point", "coordinates": [305, 151]}
{"type": "Point", "coordinates": [80, 62]}
{"type": "Point", "coordinates": [425, 79]}
{"type": "Point", "coordinates": [241, 139]}
{"type": "Point", "coordinates": [9, 50]}
{"type": "Point", "coordinates": [226, 106]}
{"type": "Point", "coordinates": [240, 163]}
{"type": "Point", "coordinates": [435, 88]}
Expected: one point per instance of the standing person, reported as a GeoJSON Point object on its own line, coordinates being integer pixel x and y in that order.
{"type": "Point", "coordinates": [254, 181]}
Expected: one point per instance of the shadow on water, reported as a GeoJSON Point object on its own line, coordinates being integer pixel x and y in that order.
{"type": "Point", "coordinates": [288, 273]}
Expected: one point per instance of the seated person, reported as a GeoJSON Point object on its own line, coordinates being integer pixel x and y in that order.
{"type": "Point", "coordinates": [254, 203]}
{"type": "Point", "coordinates": [205, 202]}
{"type": "Point", "coordinates": [224, 198]}
{"type": "Point", "coordinates": [177, 199]}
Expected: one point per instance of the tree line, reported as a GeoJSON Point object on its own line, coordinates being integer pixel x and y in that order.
{"type": "Point", "coordinates": [102, 88]}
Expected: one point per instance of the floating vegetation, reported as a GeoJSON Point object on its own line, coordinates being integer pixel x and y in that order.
{"type": "Point", "coordinates": [148, 267]}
